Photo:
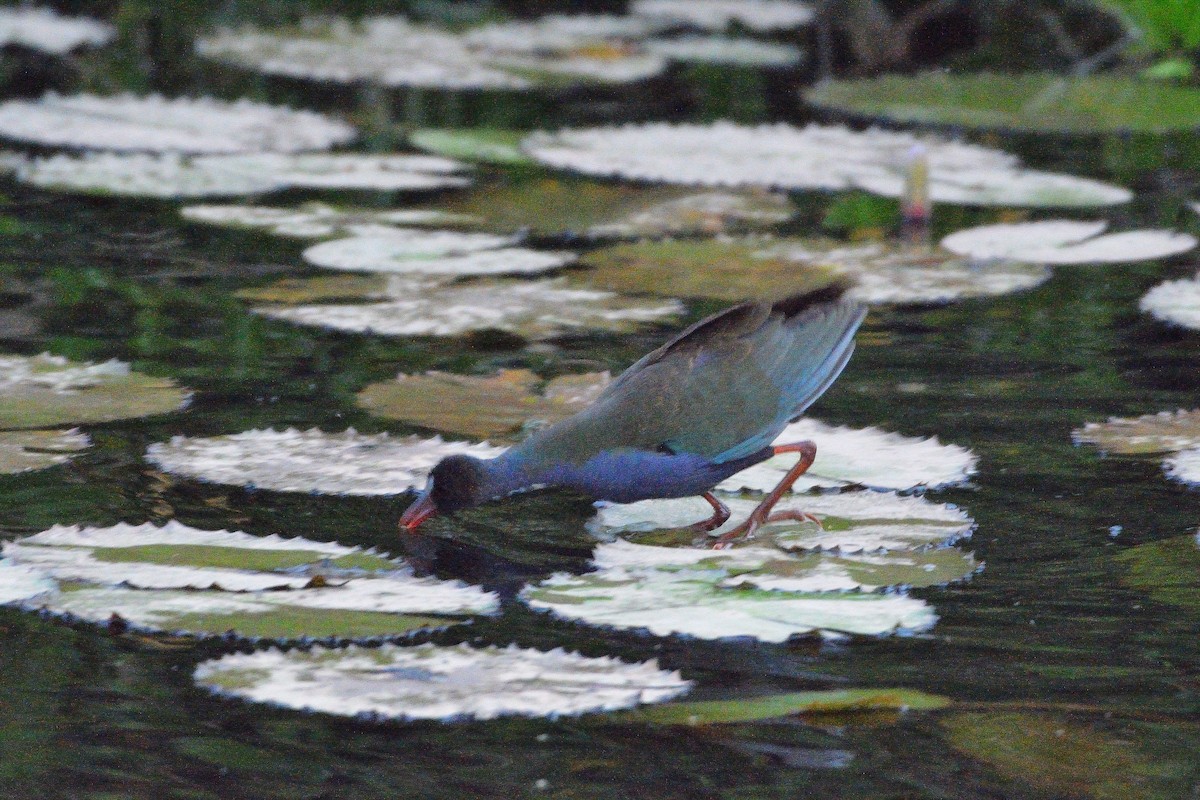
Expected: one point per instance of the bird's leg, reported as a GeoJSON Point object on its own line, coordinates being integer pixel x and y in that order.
{"type": "Point", "coordinates": [762, 513]}
{"type": "Point", "coordinates": [720, 514]}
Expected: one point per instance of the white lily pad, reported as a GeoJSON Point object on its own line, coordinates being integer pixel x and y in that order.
{"type": "Point", "coordinates": [867, 456]}
{"type": "Point", "coordinates": [317, 220]}
{"type": "Point", "coordinates": [716, 15]}
{"type": "Point", "coordinates": [1066, 242]}
{"type": "Point", "coordinates": [46, 30]}
{"type": "Point", "coordinates": [852, 522]}
{"type": "Point", "coordinates": [311, 461]}
{"type": "Point", "coordinates": [44, 391]}
{"type": "Point", "coordinates": [533, 309]}
{"type": "Point", "coordinates": [373, 171]}
{"type": "Point", "coordinates": [681, 591]}
{"type": "Point", "coordinates": [21, 451]}
{"type": "Point", "coordinates": [141, 175]}
{"type": "Point", "coordinates": [156, 124]}
{"type": "Point", "coordinates": [1184, 466]}
{"type": "Point", "coordinates": [989, 186]}
{"type": "Point", "coordinates": [727, 52]}
{"type": "Point", "coordinates": [433, 253]}
{"type": "Point", "coordinates": [444, 683]}
{"type": "Point", "coordinates": [1176, 302]}
{"type": "Point", "coordinates": [1164, 432]}
{"type": "Point", "coordinates": [19, 582]}
{"type": "Point", "coordinates": [496, 406]}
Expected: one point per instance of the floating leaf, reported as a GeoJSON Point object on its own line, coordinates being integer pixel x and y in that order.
{"type": "Point", "coordinates": [374, 171]}
{"type": "Point", "coordinates": [1176, 302]}
{"type": "Point", "coordinates": [1167, 570]}
{"type": "Point", "coordinates": [500, 405]}
{"type": "Point", "coordinates": [179, 579]}
{"type": "Point", "coordinates": [45, 390]}
{"type": "Point", "coordinates": [344, 287]}
{"type": "Point", "coordinates": [140, 175]}
{"type": "Point", "coordinates": [1163, 432]}
{"type": "Point", "coordinates": [433, 253]}
{"type": "Point", "coordinates": [1066, 242]}
{"type": "Point", "coordinates": [684, 591]}
{"type": "Point", "coordinates": [19, 582]}
{"type": "Point", "coordinates": [156, 124]}
{"type": "Point", "coordinates": [726, 52]}
{"type": "Point", "coordinates": [444, 683]}
{"type": "Point", "coordinates": [1184, 466]}
{"type": "Point", "coordinates": [553, 207]}
{"type": "Point", "coordinates": [533, 309]}
{"type": "Point", "coordinates": [1068, 758]}
{"type": "Point", "coordinates": [316, 220]}
{"type": "Point", "coordinates": [852, 522]}
{"type": "Point", "coordinates": [311, 461]}
{"type": "Point", "coordinates": [44, 29]}
{"type": "Point", "coordinates": [867, 456]}
{"type": "Point", "coordinates": [489, 146]}
{"type": "Point", "coordinates": [754, 709]}
{"type": "Point", "coordinates": [1038, 103]}
{"type": "Point", "coordinates": [21, 451]}
{"type": "Point", "coordinates": [717, 15]}
{"type": "Point", "coordinates": [989, 186]}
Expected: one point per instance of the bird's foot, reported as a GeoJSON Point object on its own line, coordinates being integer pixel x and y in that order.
{"type": "Point", "coordinates": [741, 533]}
{"type": "Point", "coordinates": [796, 516]}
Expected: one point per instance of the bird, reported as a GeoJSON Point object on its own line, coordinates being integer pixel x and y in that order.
{"type": "Point", "coordinates": [702, 407]}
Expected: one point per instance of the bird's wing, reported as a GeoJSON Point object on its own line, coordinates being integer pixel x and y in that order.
{"type": "Point", "coordinates": [726, 387]}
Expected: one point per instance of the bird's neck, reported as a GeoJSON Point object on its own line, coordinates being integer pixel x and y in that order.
{"type": "Point", "coordinates": [505, 474]}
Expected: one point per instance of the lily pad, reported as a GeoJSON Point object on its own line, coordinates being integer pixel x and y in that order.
{"type": "Point", "coordinates": [499, 406]}
{"type": "Point", "coordinates": [534, 309]}
{"type": "Point", "coordinates": [317, 220]}
{"type": "Point", "coordinates": [717, 15]}
{"type": "Point", "coordinates": [867, 456]}
{"type": "Point", "coordinates": [1066, 242]}
{"type": "Point", "coordinates": [44, 29]}
{"type": "Point", "coordinates": [987, 186]}
{"type": "Point", "coordinates": [342, 287]}
{"type": "Point", "coordinates": [179, 579]}
{"type": "Point", "coordinates": [140, 175]}
{"type": "Point", "coordinates": [1167, 570]}
{"type": "Point", "coordinates": [851, 522]}
{"type": "Point", "coordinates": [553, 207]}
{"type": "Point", "coordinates": [754, 709]}
{"type": "Point", "coordinates": [155, 124]}
{"type": "Point", "coordinates": [1068, 758]}
{"type": "Point", "coordinates": [1176, 302]}
{"type": "Point", "coordinates": [19, 582]}
{"type": "Point", "coordinates": [21, 451]}
{"type": "Point", "coordinates": [1037, 103]}
{"type": "Point", "coordinates": [311, 461]}
{"type": "Point", "coordinates": [1184, 466]}
{"type": "Point", "coordinates": [370, 171]}
{"type": "Point", "coordinates": [687, 591]}
{"type": "Point", "coordinates": [726, 52]}
{"type": "Point", "coordinates": [45, 391]}
{"type": "Point", "coordinates": [433, 253]}
{"type": "Point", "coordinates": [1163, 432]}
{"type": "Point", "coordinates": [490, 146]}
{"type": "Point", "coordinates": [443, 683]}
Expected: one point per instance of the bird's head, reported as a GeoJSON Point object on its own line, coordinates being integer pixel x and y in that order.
{"type": "Point", "coordinates": [456, 482]}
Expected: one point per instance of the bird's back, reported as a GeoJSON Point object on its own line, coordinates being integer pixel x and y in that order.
{"type": "Point", "coordinates": [722, 390]}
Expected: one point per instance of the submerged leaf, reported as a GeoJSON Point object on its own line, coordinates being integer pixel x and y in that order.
{"type": "Point", "coordinates": [21, 451]}
{"type": "Point", "coordinates": [445, 683]}
{"type": "Point", "coordinates": [45, 390]}
{"type": "Point", "coordinates": [311, 461]}
{"type": "Point", "coordinates": [1163, 432]}
{"type": "Point", "coordinates": [753, 709]}
{"type": "Point", "coordinates": [156, 124]}
{"type": "Point", "coordinates": [1167, 570]}
{"type": "Point", "coordinates": [1066, 242]}
{"type": "Point", "coordinates": [497, 406]}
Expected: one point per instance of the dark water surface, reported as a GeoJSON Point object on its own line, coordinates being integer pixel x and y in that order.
{"type": "Point", "coordinates": [1067, 681]}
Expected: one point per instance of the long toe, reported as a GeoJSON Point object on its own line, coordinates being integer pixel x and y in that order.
{"type": "Point", "coordinates": [796, 516]}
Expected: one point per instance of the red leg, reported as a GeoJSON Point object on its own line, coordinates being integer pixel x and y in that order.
{"type": "Point", "coordinates": [720, 514]}
{"type": "Point", "coordinates": [762, 514]}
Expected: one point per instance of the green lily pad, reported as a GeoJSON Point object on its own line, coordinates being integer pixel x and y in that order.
{"type": "Point", "coordinates": [473, 144]}
{"type": "Point", "coordinates": [496, 407]}
{"type": "Point", "coordinates": [1038, 103]}
{"type": "Point", "coordinates": [444, 683]}
{"type": "Point", "coordinates": [1068, 758]}
{"type": "Point", "coordinates": [753, 709]}
{"type": "Point", "coordinates": [1163, 432]}
{"type": "Point", "coordinates": [21, 451]}
{"type": "Point", "coordinates": [555, 207]}
{"type": "Point", "coordinates": [1168, 570]}
{"type": "Point", "coordinates": [45, 391]}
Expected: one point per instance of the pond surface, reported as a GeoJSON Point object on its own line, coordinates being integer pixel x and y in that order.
{"type": "Point", "coordinates": [1067, 680]}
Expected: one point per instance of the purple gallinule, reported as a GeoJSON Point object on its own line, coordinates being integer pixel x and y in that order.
{"type": "Point", "coordinates": [702, 407]}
